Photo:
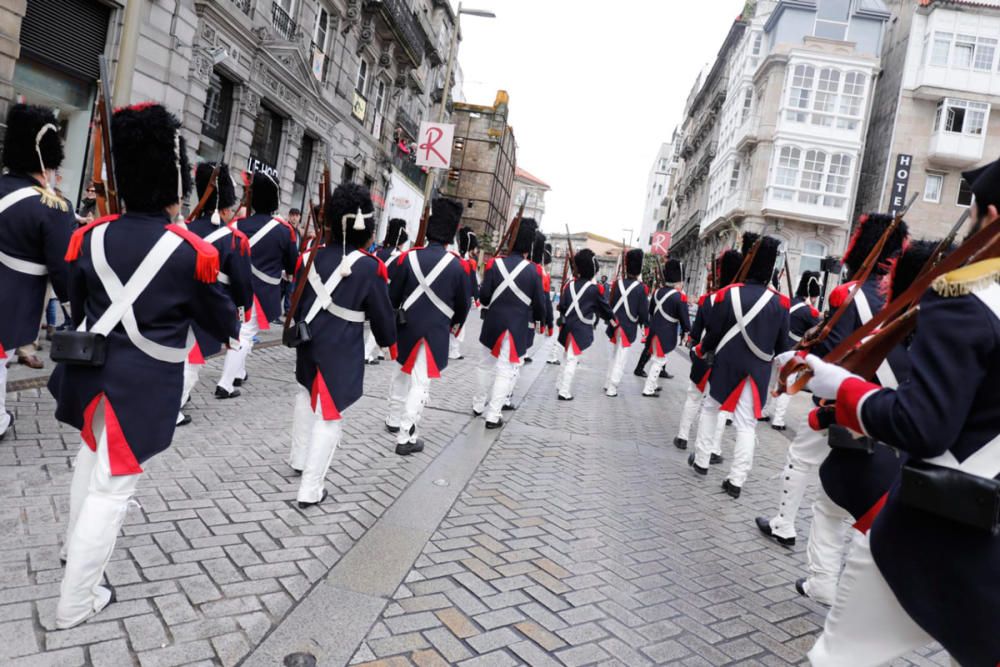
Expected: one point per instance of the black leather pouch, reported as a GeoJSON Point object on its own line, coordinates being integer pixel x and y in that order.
{"type": "Point", "coordinates": [400, 318]}
{"type": "Point", "coordinates": [951, 494]}
{"type": "Point", "coordinates": [840, 437]}
{"type": "Point", "coordinates": [79, 348]}
{"type": "Point", "coordinates": [296, 335]}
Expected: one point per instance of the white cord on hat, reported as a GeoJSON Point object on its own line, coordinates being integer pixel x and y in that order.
{"type": "Point", "coordinates": [38, 150]}
{"type": "Point", "coordinates": [177, 162]}
{"type": "Point", "coordinates": [358, 226]}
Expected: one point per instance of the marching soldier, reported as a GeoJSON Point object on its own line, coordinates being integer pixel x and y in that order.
{"type": "Point", "coordinates": [272, 253]}
{"type": "Point", "coordinates": [344, 287]}
{"type": "Point", "coordinates": [668, 310]}
{"type": "Point", "coordinates": [468, 243]}
{"type": "Point", "coordinates": [809, 447]}
{"type": "Point", "coordinates": [35, 227]}
{"type": "Point", "coordinates": [630, 304]}
{"type": "Point", "coordinates": [749, 324]}
{"type": "Point", "coordinates": [513, 295]}
{"type": "Point", "coordinates": [392, 248]}
{"type": "Point", "coordinates": [137, 286]}
{"type": "Point", "coordinates": [234, 261]}
{"type": "Point", "coordinates": [581, 303]}
{"type": "Point", "coordinates": [537, 258]}
{"type": "Point", "coordinates": [430, 292]}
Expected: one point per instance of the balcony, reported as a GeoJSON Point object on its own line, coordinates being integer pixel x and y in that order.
{"type": "Point", "coordinates": [403, 24]}
{"type": "Point", "coordinates": [933, 83]}
{"type": "Point", "coordinates": [282, 22]}
{"type": "Point", "coordinates": [747, 134]}
{"type": "Point", "coordinates": [409, 169]}
{"type": "Point", "coordinates": [956, 149]}
{"type": "Point", "coordinates": [407, 124]}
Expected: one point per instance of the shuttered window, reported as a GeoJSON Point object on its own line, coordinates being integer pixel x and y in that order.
{"type": "Point", "coordinates": [68, 35]}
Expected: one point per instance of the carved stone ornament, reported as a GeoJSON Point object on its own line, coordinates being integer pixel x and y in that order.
{"type": "Point", "coordinates": [367, 33]}
{"type": "Point", "coordinates": [261, 33]}
{"type": "Point", "coordinates": [385, 58]}
{"type": "Point", "coordinates": [250, 102]}
{"type": "Point", "coordinates": [201, 68]}
{"type": "Point", "coordinates": [353, 15]}
{"type": "Point", "coordinates": [295, 132]}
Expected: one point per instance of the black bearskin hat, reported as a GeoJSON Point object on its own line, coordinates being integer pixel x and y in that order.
{"type": "Point", "coordinates": [908, 264]}
{"type": "Point", "coordinates": [347, 199]}
{"type": "Point", "coordinates": [729, 265]}
{"type": "Point", "coordinates": [20, 154]}
{"type": "Point", "coordinates": [672, 272]}
{"type": "Point", "coordinates": [467, 240]}
{"type": "Point", "coordinates": [538, 249]}
{"type": "Point", "coordinates": [762, 267]}
{"type": "Point", "coordinates": [547, 255]}
{"type": "Point", "coordinates": [984, 182]}
{"type": "Point", "coordinates": [395, 233]}
{"type": "Point", "coordinates": [446, 215]}
{"type": "Point", "coordinates": [525, 236]}
{"type": "Point", "coordinates": [264, 196]}
{"type": "Point", "coordinates": [868, 231]}
{"type": "Point", "coordinates": [147, 148]}
{"type": "Point", "coordinates": [808, 285]}
{"type": "Point", "coordinates": [633, 262]}
{"type": "Point", "coordinates": [224, 194]}
{"type": "Point", "coordinates": [585, 262]}
{"type": "Point", "coordinates": [749, 238]}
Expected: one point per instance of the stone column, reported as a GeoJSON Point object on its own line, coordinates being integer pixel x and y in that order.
{"type": "Point", "coordinates": [239, 148]}
{"type": "Point", "coordinates": [292, 132]}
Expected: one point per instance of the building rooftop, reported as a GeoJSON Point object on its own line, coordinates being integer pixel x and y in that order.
{"type": "Point", "coordinates": [525, 176]}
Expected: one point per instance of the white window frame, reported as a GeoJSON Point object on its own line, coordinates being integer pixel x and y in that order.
{"type": "Point", "coordinates": [832, 189]}
{"type": "Point", "coordinates": [946, 104]}
{"type": "Point", "coordinates": [835, 96]}
{"type": "Point", "coordinates": [846, 23]}
{"type": "Point", "coordinates": [361, 81]}
{"type": "Point", "coordinates": [940, 190]}
{"type": "Point", "coordinates": [950, 41]}
{"type": "Point", "coordinates": [326, 33]}
{"type": "Point", "coordinates": [810, 256]}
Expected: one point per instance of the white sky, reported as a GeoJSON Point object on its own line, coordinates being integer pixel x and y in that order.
{"type": "Point", "coordinates": [595, 87]}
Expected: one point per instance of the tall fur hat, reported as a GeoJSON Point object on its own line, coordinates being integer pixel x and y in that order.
{"type": "Point", "coordinates": [869, 229]}
{"type": "Point", "coordinates": [264, 196]}
{"type": "Point", "coordinates": [151, 165]}
{"type": "Point", "coordinates": [633, 261]}
{"type": "Point", "coordinates": [808, 284]}
{"type": "Point", "coordinates": [907, 265]}
{"type": "Point", "coordinates": [224, 194]}
{"type": "Point", "coordinates": [467, 240]}
{"type": "Point", "coordinates": [729, 265]}
{"type": "Point", "coordinates": [342, 209]}
{"type": "Point", "coordinates": [538, 248]}
{"type": "Point", "coordinates": [547, 256]}
{"type": "Point", "coordinates": [20, 152]}
{"type": "Point", "coordinates": [585, 262]}
{"type": "Point", "coordinates": [395, 233]}
{"type": "Point", "coordinates": [446, 215]}
{"type": "Point", "coordinates": [762, 267]}
{"type": "Point", "coordinates": [525, 236]}
{"type": "Point", "coordinates": [672, 272]}
{"type": "Point", "coordinates": [984, 182]}
{"type": "Point", "coordinates": [749, 238]}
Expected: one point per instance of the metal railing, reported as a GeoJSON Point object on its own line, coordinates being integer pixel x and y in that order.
{"type": "Point", "coordinates": [398, 14]}
{"type": "Point", "coordinates": [282, 22]}
{"type": "Point", "coordinates": [408, 125]}
{"type": "Point", "coordinates": [409, 168]}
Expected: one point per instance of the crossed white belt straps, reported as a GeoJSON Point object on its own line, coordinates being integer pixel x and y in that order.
{"type": "Point", "coordinates": [424, 284]}
{"type": "Point", "coordinates": [508, 281]}
{"type": "Point", "coordinates": [254, 240]}
{"type": "Point", "coordinates": [220, 233]}
{"type": "Point", "coordinates": [15, 263]}
{"type": "Point", "coordinates": [798, 306]}
{"type": "Point", "coordinates": [659, 306]}
{"type": "Point", "coordinates": [885, 376]}
{"type": "Point", "coordinates": [574, 302]}
{"type": "Point", "coordinates": [623, 301]}
{"type": "Point", "coordinates": [742, 321]}
{"type": "Point", "coordinates": [123, 297]}
{"type": "Point", "coordinates": [324, 292]}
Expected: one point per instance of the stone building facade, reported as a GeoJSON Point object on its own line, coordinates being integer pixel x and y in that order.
{"type": "Point", "coordinates": [659, 186]}
{"type": "Point", "coordinates": [530, 190]}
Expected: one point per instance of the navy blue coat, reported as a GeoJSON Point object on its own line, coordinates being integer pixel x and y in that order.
{"type": "Point", "coordinates": [638, 305]}
{"type": "Point", "coordinates": [35, 230]}
{"type": "Point", "coordinates": [274, 253]}
{"type": "Point", "coordinates": [801, 318]}
{"type": "Point", "coordinates": [506, 313]}
{"type": "Point", "coordinates": [945, 575]}
{"type": "Point", "coordinates": [386, 255]}
{"type": "Point", "coordinates": [700, 370]}
{"type": "Point", "coordinates": [234, 263]}
{"type": "Point", "coordinates": [541, 325]}
{"type": "Point", "coordinates": [663, 332]}
{"type": "Point", "coordinates": [424, 320]}
{"type": "Point", "coordinates": [143, 392]}
{"type": "Point", "coordinates": [852, 319]}
{"type": "Point", "coordinates": [593, 305]}
{"type": "Point", "coordinates": [735, 363]}
{"type": "Point", "coordinates": [332, 365]}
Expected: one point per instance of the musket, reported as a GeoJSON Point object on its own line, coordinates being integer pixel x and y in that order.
{"type": "Point", "coordinates": [945, 243]}
{"type": "Point", "coordinates": [788, 277]}
{"type": "Point", "coordinates": [247, 192]}
{"type": "Point", "coordinates": [209, 189]}
{"type": "Point", "coordinates": [105, 185]}
{"type": "Point", "coordinates": [572, 253]}
{"type": "Point", "coordinates": [422, 231]}
{"type": "Point", "coordinates": [741, 275]}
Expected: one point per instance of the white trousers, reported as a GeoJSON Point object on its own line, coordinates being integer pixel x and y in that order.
{"type": "Point", "coordinates": [98, 504]}
{"type": "Point", "coordinates": [555, 352]}
{"type": "Point", "coordinates": [371, 346]}
{"type": "Point", "coordinates": [692, 407]}
{"type": "Point", "coordinates": [314, 440]}
{"type": "Point", "coordinates": [808, 450]}
{"type": "Point", "coordinates": [4, 419]}
{"type": "Point", "coordinates": [191, 372]}
{"type": "Point", "coordinates": [235, 366]}
{"type": "Point", "coordinates": [776, 407]}
{"type": "Point", "coordinates": [656, 364]}
{"type": "Point", "coordinates": [745, 424]}
{"type": "Point", "coordinates": [825, 551]}
{"type": "Point", "coordinates": [497, 378]}
{"type": "Point", "coordinates": [616, 366]}
{"type": "Point", "coordinates": [408, 393]}
{"type": "Point", "coordinates": [570, 362]}
{"type": "Point", "coordinates": [866, 626]}
{"type": "Point", "coordinates": [455, 345]}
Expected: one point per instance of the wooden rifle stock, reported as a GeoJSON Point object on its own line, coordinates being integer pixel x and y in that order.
{"type": "Point", "coordinates": [105, 185]}
{"type": "Point", "coordinates": [422, 230]}
{"type": "Point", "coordinates": [572, 254]}
{"type": "Point", "coordinates": [301, 280]}
{"type": "Point", "coordinates": [512, 231]}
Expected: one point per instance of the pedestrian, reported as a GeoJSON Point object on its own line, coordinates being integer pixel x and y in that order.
{"type": "Point", "coordinates": [138, 285]}
{"type": "Point", "coordinates": [392, 247]}
{"type": "Point", "coordinates": [512, 296]}
{"type": "Point", "coordinates": [582, 303]}
{"type": "Point", "coordinates": [87, 209]}
{"type": "Point", "coordinates": [430, 290]}
{"type": "Point", "coordinates": [234, 260]}
{"type": "Point", "coordinates": [295, 220]}
{"type": "Point", "coordinates": [748, 326]}
{"type": "Point", "coordinates": [344, 287]}
{"type": "Point", "coordinates": [272, 252]}
{"type": "Point", "coordinates": [37, 226]}
{"type": "Point", "coordinates": [630, 304]}
{"type": "Point", "coordinates": [668, 313]}
{"type": "Point", "coordinates": [468, 243]}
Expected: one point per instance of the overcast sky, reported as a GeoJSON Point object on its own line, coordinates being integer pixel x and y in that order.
{"type": "Point", "coordinates": [595, 87]}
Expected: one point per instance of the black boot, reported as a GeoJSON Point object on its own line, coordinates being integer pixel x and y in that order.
{"type": "Point", "coordinates": [640, 368]}
{"type": "Point", "coordinates": [680, 443]}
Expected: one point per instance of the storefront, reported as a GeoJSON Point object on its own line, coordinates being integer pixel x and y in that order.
{"type": "Point", "coordinates": [403, 200]}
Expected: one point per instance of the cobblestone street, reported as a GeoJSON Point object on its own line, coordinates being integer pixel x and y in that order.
{"type": "Point", "coordinates": [575, 535]}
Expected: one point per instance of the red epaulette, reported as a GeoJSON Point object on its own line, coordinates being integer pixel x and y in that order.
{"type": "Point", "coordinates": [383, 272]}
{"type": "Point", "coordinates": [721, 294]}
{"type": "Point", "coordinates": [489, 264]}
{"type": "Point", "coordinates": [402, 256]}
{"type": "Point", "coordinates": [242, 239]}
{"type": "Point", "coordinates": [546, 282]}
{"type": "Point", "coordinates": [645, 288]}
{"type": "Point", "coordinates": [76, 240]}
{"type": "Point", "coordinates": [813, 311]}
{"type": "Point", "coordinates": [291, 230]}
{"type": "Point", "coordinates": [206, 268]}
{"type": "Point", "coordinates": [839, 295]}
{"type": "Point", "coordinates": [785, 301]}
{"type": "Point", "coordinates": [474, 264]}
{"type": "Point", "coordinates": [684, 297]}
{"type": "Point", "coordinates": [538, 267]}
{"type": "Point", "coordinates": [600, 288]}
{"type": "Point", "coordinates": [701, 300]}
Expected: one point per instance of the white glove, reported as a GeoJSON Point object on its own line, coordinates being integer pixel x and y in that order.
{"type": "Point", "coordinates": [827, 378]}
{"type": "Point", "coordinates": [784, 358]}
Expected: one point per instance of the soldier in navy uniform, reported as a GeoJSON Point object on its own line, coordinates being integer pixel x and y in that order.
{"type": "Point", "coordinates": [802, 317]}
{"type": "Point", "coordinates": [35, 226]}
{"type": "Point", "coordinates": [234, 261]}
{"type": "Point", "coordinates": [273, 253]}
{"type": "Point", "coordinates": [932, 572]}
{"type": "Point", "coordinates": [141, 283]}
{"type": "Point", "coordinates": [390, 250]}
{"type": "Point", "coordinates": [430, 290]}
{"type": "Point", "coordinates": [345, 287]}
{"type": "Point", "coordinates": [630, 303]}
{"type": "Point", "coordinates": [512, 293]}
{"type": "Point", "coordinates": [726, 266]}
{"type": "Point", "coordinates": [809, 447]}
{"type": "Point", "coordinates": [748, 326]}
{"type": "Point", "coordinates": [582, 302]}
{"type": "Point", "coordinates": [468, 243]}
{"type": "Point", "coordinates": [537, 258]}
{"type": "Point", "coordinates": [668, 310]}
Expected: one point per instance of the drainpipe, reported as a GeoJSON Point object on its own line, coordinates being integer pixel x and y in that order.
{"type": "Point", "coordinates": [125, 72]}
